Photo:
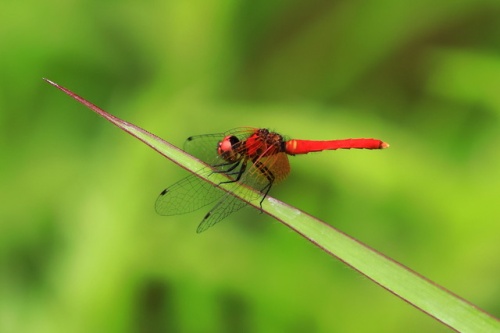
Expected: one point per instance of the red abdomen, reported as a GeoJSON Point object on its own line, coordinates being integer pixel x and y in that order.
{"type": "Point", "coordinates": [295, 147]}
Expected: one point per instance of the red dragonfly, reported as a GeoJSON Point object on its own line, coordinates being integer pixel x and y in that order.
{"type": "Point", "coordinates": [249, 156]}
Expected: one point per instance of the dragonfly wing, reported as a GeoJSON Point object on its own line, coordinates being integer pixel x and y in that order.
{"type": "Point", "coordinates": [278, 165]}
{"type": "Point", "coordinates": [192, 193]}
{"type": "Point", "coordinates": [187, 195]}
{"type": "Point", "coordinates": [225, 207]}
{"type": "Point", "coordinates": [266, 171]}
{"type": "Point", "coordinates": [204, 147]}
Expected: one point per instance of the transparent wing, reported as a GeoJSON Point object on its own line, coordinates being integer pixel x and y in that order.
{"type": "Point", "coordinates": [225, 207]}
{"type": "Point", "coordinates": [187, 195]}
{"type": "Point", "coordinates": [265, 169]}
{"type": "Point", "coordinates": [192, 193]}
{"type": "Point", "coordinates": [256, 178]}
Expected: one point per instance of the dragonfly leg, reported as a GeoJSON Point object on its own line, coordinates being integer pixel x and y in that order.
{"type": "Point", "coordinates": [270, 177]}
{"type": "Point", "coordinates": [233, 166]}
{"type": "Point", "coordinates": [239, 173]}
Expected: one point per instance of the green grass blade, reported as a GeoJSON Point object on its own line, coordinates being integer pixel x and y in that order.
{"type": "Point", "coordinates": [420, 292]}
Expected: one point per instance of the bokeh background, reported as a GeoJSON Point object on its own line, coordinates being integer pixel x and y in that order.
{"type": "Point", "coordinates": [81, 247]}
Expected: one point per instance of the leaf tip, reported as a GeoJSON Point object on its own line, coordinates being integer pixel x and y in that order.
{"type": "Point", "coordinates": [51, 82]}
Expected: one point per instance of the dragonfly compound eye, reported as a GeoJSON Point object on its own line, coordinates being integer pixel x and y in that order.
{"type": "Point", "coordinates": [227, 148]}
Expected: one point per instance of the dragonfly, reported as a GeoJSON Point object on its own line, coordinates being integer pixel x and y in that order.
{"type": "Point", "coordinates": [255, 157]}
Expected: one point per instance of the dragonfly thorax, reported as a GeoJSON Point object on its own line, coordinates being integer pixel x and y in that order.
{"type": "Point", "coordinates": [264, 143]}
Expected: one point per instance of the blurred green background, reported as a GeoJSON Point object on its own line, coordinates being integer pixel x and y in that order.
{"type": "Point", "coordinates": [81, 247]}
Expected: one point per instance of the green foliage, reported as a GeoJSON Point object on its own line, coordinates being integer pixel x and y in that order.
{"type": "Point", "coordinates": [81, 248]}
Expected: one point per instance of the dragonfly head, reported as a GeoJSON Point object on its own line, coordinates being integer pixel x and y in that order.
{"type": "Point", "coordinates": [228, 148]}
